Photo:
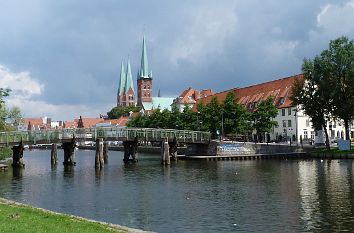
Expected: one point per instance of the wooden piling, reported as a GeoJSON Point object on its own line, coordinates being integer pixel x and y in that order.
{"type": "Point", "coordinates": [105, 152]}
{"type": "Point", "coordinates": [69, 153]}
{"type": "Point", "coordinates": [17, 156]}
{"type": "Point", "coordinates": [99, 161]}
{"type": "Point", "coordinates": [165, 152]}
{"type": "Point", "coordinates": [54, 154]}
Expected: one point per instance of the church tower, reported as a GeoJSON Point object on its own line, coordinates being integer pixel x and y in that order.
{"type": "Point", "coordinates": [144, 82]}
{"type": "Point", "coordinates": [126, 94]}
{"type": "Point", "coordinates": [120, 93]}
{"type": "Point", "coordinates": [129, 87]}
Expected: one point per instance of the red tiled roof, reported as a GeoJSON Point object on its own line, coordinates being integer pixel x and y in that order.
{"type": "Point", "coordinates": [122, 121]}
{"type": "Point", "coordinates": [190, 95]}
{"type": "Point", "coordinates": [258, 92]}
{"type": "Point", "coordinates": [89, 122]}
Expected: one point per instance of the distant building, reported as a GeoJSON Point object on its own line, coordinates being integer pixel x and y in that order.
{"type": "Point", "coordinates": [85, 122]}
{"type": "Point", "coordinates": [189, 97]}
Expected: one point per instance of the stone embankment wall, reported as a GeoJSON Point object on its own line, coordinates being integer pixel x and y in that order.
{"type": "Point", "coordinates": [216, 148]}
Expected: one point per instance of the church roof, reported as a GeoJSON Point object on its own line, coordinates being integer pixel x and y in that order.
{"type": "Point", "coordinates": [121, 81]}
{"type": "Point", "coordinates": [158, 102]}
{"type": "Point", "coordinates": [128, 79]}
{"type": "Point", "coordinates": [144, 65]}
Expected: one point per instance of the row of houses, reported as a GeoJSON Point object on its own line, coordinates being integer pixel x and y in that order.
{"type": "Point", "coordinates": [292, 122]}
{"type": "Point", "coordinates": [45, 123]}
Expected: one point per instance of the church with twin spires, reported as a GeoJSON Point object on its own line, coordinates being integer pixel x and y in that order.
{"type": "Point", "coordinates": [126, 95]}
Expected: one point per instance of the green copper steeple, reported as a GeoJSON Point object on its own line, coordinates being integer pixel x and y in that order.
{"type": "Point", "coordinates": [128, 79]}
{"type": "Point", "coordinates": [121, 81]}
{"type": "Point", "coordinates": [144, 66]}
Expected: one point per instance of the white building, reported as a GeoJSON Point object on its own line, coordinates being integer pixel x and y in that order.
{"type": "Point", "coordinates": [292, 124]}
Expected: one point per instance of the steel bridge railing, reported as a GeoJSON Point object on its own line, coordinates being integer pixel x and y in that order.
{"type": "Point", "coordinates": [107, 133]}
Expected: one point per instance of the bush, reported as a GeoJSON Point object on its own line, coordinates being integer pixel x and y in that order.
{"type": "Point", "coordinates": [5, 153]}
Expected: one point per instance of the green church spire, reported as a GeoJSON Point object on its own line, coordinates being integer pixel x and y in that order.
{"type": "Point", "coordinates": [144, 67]}
{"type": "Point", "coordinates": [128, 79]}
{"type": "Point", "coordinates": [121, 81]}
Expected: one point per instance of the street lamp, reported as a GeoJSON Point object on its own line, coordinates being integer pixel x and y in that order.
{"type": "Point", "coordinates": [222, 125]}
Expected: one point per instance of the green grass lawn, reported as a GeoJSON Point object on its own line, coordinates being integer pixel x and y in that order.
{"type": "Point", "coordinates": [336, 151]}
{"type": "Point", "coordinates": [20, 218]}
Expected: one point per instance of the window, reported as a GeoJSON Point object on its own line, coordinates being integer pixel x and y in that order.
{"type": "Point", "coordinates": [307, 123]}
{"type": "Point", "coordinates": [284, 123]}
{"type": "Point", "coordinates": [289, 123]}
{"type": "Point", "coordinates": [148, 87]}
{"type": "Point", "coordinates": [289, 111]}
{"type": "Point", "coordinates": [334, 124]}
{"type": "Point", "coordinates": [312, 135]}
{"type": "Point", "coordinates": [283, 112]}
{"type": "Point", "coordinates": [281, 100]}
{"type": "Point", "coordinates": [305, 135]}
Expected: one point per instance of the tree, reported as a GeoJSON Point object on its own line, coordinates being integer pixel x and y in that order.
{"type": "Point", "coordinates": [4, 92]}
{"type": "Point", "coordinates": [119, 111]}
{"type": "Point", "coordinates": [262, 117]}
{"type": "Point", "coordinates": [235, 115]}
{"type": "Point", "coordinates": [337, 70]}
{"type": "Point", "coordinates": [312, 95]}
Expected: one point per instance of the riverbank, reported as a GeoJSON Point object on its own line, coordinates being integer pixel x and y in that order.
{"type": "Point", "coordinates": [17, 217]}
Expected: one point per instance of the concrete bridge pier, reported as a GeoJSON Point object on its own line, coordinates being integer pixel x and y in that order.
{"type": "Point", "coordinates": [99, 161]}
{"type": "Point", "coordinates": [130, 150]}
{"type": "Point", "coordinates": [105, 152]}
{"type": "Point", "coordinates": [173, 148]}
{"type": "Point", "coordinates": [165, 153]}
{"type": "Point", "coordinates": [69, 153]}
{"type": "Point", "coordinates": [17, 156]}
{"type": "Point", "coordinates": [54, 154]}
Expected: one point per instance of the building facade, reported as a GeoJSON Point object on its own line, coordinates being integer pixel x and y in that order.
{"type": "Point", "coordinates": [189, 98]}
{"type": "Point", "coordinates": [292, 122]}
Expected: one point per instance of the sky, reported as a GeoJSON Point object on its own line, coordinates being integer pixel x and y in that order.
{"type": "Point", "coordinates": [62, 58]}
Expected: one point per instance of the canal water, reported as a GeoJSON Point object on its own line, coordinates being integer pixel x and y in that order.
{"type": "Point", "coordinates": [191, 196]}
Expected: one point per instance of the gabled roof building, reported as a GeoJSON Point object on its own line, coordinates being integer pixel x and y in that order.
{"type": "Point", "coordinates": [292, 122]}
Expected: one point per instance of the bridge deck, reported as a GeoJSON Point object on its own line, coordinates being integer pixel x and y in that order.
{"type": "Point", "coordinates": [107, 133]}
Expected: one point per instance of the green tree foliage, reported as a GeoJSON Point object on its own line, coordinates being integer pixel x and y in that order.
{"type": "Point", "coordinates": [328, 89]}
{"type": "Point", "coordinates": [312, 95]}
{"type": "Point", "coordinates": [3, 110]}
{"type": "Point", "coordinates": [213, 117]}
{"type": "Point", "coordinates": [235, 116]}
{"type": "Point", "coordinates": [337, 71]}
{"type": "Point", "coordinates": [262, 117]}
{"type": "Point", "coordinates": [117, 112]}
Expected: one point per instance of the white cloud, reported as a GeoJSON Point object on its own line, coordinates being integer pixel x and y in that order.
{"type": "Point", "coordinates": [20, 83]}
{"type": "Point", "coordinates": [334, 21]}
{"type": "Point", "coordinates": [25, 88]}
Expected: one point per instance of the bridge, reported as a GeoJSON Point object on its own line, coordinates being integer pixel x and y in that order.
{"type": "Point", "coordinates": [105, 133]}
{"type": "Point", "coordinates": [169, 139]}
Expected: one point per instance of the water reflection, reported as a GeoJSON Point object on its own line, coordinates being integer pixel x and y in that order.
{"type": "Point", "coordinates": [327, 195]}
{"type": "Point", "coordinates": [69, 171]}
{"type": "Point", "coordinates": [17, 173]}
{"type": "Point", "coordinates": [192, 196]}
